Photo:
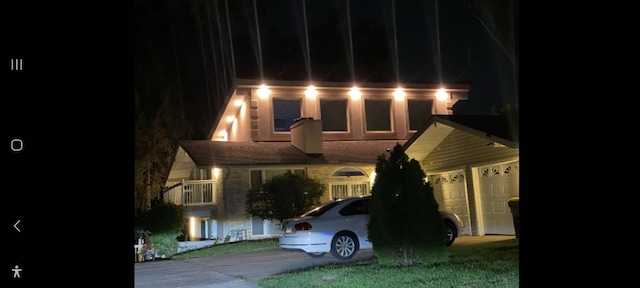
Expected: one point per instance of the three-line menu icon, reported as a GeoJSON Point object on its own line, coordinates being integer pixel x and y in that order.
{"type": "Point", "coordinates": [16, 64]}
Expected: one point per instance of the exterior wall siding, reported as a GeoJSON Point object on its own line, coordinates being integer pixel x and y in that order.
{"type": "Point", "coordinates": [260, 122]}
{"type": "Point", "coordinates": [461, 148]}
{"type": "Point", "coordinates": [241, 127]}
{"type": "Point", "coordinates": [234, 182]}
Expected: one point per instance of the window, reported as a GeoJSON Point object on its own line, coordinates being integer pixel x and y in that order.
{"type": "Point", "coordinates": [260, 176]}
{"type": "Point", "coordinates": [378, 114]}
{"type": "Point", "coordinates": [360, 207]}
{"type": "Point", "coordinates": [348, 172]}
{"type": "Point", "coordinates": [256, 178]}
{"type": "Point", "coordinates": [334, 115]}
{"type": "Point", "coordinates": [419, 113]}
{"type": "Point", "coordinates": [351, 189]}
{"type": "Point", "coordinates": [284, 112]}
{"type": "Point", "coordinates": [268, 174]}
{"type": "Point", "coordinates": [202, 174]}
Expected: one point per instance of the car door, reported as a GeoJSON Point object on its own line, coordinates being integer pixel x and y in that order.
{"type": "Point", "coordinates": [356, 215]}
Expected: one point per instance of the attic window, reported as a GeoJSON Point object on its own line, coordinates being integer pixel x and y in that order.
{"type": "Point", "coordinates": [348, 172]}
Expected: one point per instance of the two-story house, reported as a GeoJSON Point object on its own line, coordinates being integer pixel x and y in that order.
{"type": "Point", "coordinates": [334, 132]}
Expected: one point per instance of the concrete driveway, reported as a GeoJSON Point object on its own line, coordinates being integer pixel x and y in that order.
{"type": "Point", "coordinates": [245, 269]}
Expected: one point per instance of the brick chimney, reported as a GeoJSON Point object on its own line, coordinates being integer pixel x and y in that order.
{"type": "Point", "coordinates": [306, 135]}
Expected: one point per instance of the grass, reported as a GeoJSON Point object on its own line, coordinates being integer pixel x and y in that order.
{"type": "Point", "coordinates": [229, 248]}
{"type": "Point", "coordinates": [487, 265]}
{"type": "Point", "coordinates": [493, 264]}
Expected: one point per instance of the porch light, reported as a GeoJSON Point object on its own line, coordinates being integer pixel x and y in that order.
{"type": "Point", "coordinates": [355, 93]}
{"type": "Point", "coordinates": [311, 91]}
{"type": "Point", "coordinates": [192, 227]}
{"type": "Point", "coordinates": [216, 173]}
{"type": "Point", "coordinates": [263, 91]}
{"type": "Point", "coordinates": [399, 93]}
{"type": "Point", "coordinates": [441, 95]}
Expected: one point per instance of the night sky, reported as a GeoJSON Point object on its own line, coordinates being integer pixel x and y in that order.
{"type": "Point", "coordinates": [197, 48]}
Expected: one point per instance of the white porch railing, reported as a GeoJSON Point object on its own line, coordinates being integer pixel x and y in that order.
{"type": "Point", "coordinates": [192, 193]}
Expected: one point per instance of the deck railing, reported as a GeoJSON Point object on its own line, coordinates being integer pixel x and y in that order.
{"type": "Point", "coordinates": [192, 193]}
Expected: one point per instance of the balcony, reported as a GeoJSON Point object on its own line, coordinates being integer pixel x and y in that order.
{"type": "Point", "coordinates": [192, 193]}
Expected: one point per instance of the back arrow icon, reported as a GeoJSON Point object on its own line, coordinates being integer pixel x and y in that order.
{"type": "Point", "coordinates": [16, 225]}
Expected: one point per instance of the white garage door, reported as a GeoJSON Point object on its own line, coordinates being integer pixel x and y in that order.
{"type": "Point", "coordinates": [449, 189]}
{"type": "Point", "coordinates": [498, 183]}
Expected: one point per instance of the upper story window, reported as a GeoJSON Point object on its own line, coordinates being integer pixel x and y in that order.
{"type": "Point", "coordinates": [284, 112]}
{"type": "Point", "coordinates": [334, 114]}
{"type": "Point", "coordinates": [419, 112]}
{"type": "Point", "coordinates": [378, 114]}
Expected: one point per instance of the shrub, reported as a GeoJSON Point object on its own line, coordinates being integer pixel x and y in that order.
{"type": "Point", "coordinates": [165, 244]}
{"type": "Point", "coordinates": [163, 217]}
{"type": "Point", "coordinates": [405, 226]}
{"type": "Point", "coordinates": [284, 196]}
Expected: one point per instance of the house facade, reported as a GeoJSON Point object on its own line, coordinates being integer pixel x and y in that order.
{"type": "Point", "coordinates": [333, 132]}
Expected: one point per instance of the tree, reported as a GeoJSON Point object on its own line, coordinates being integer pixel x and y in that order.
{"type": "Point", "coordinates": [160, 118]}
{"type": "Point", "coordinates": [156, 139]}
{"type": "Point", "coordinates": [405, 226]}
{"type": "Point", "coordinates": [284, 196]}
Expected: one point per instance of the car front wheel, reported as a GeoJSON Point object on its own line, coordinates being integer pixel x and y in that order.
{"type": "Point", "coordinates": [451, 233]}
{"type": "Point", "coordinates": [343, 246]}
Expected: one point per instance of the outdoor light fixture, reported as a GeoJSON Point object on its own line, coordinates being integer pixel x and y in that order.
{"type": "Point", "coordinates": [311, 91]}
{"type": "Point", "coordinates": [441, 94]}
{"type": "Point", "coordinates": [192, 227]}
{"type": "Point", "coordinates": [263, 91]}
{"type": "Point", "coordinates": [399, 93]}
{"type": "Point", "coordinates": [372, 178]}
{"type": "Point", "coordinates": [355, 93]}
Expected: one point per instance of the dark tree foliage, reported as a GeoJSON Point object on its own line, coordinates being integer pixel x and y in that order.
{"type": "Point", "coordinates": [284, 196]}
{"type": "Point", "coordinates": [163, 217]}
{"type": "Point", "coordinates": [405, 226]}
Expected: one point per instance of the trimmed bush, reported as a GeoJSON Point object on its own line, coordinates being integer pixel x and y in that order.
{"type": "Point", "coordinates": [284, 196]}
{"type": "Point", "coordinates": [405, 226]}
{"type": "Point", "coordinates": [165, 244]}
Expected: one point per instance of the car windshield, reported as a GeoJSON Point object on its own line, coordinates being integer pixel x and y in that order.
{"type": "Point", "coordinates": [321, 209]}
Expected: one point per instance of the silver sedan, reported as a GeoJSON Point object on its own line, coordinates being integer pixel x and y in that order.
{"type": "Point", "coordinates": [340, 227]}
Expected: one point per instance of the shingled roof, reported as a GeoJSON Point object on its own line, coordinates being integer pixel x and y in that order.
{"type": "Point", "coordinates": [207, 153]}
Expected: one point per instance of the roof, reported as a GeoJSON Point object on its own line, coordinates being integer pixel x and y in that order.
{"type": "Point", "coordinates": [207, 153]}
{"type": "Point", "coordinates": [493, 128]}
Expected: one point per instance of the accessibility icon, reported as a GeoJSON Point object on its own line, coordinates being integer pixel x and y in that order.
{"type": "Point", "coordinates": [16, 271]}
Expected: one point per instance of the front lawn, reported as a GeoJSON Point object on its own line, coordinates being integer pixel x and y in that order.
{"type": "Point", "coordinates": [494, 264]}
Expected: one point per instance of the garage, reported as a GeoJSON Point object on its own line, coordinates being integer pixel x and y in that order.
{"type": "Point", "coordinates": [450, 192]}
{"type": "Point", "coordinates": [498, 183]}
